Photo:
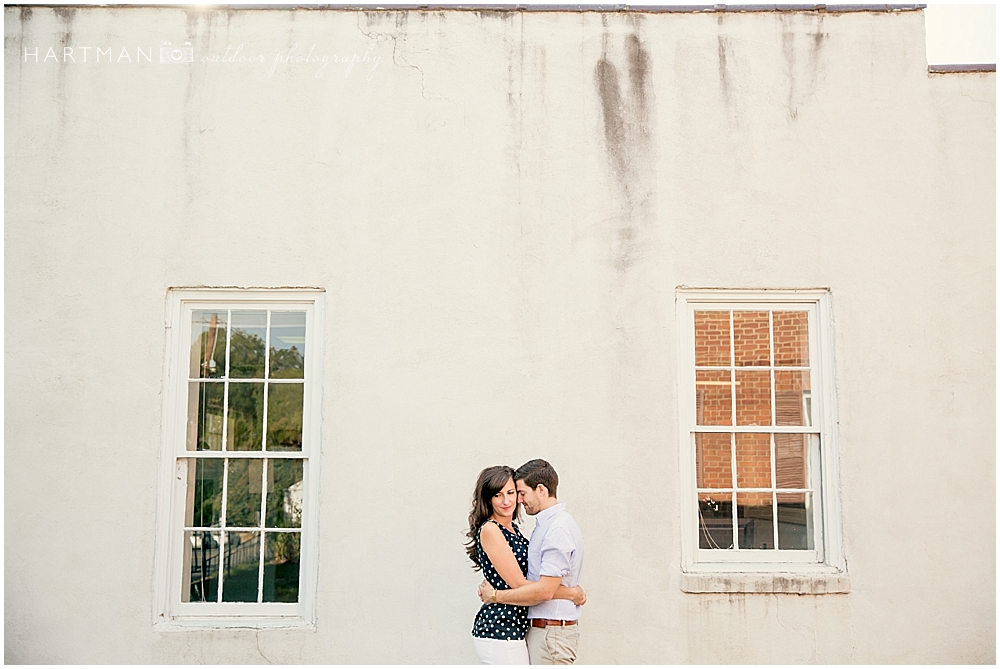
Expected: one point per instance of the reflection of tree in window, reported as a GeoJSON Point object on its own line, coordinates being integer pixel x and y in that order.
{"type": "Point", "coordinates": [210, 398]}
{"type": "Point", "coordinates": [281, 569]}
{"type": "Point", "coordinates": [284, 493]}
{"type": "Point", "coordinates": [286, 363]}
{"type": "Point", "coordinates": [284, 416]}
{"type": "Point", "coordinates": [243, 494]}
{"type": "Point", "coordinates": [246, 388]}
{"type": "Point", "coordinates": [246, 413]}
{"type": "Point", "coordinates": [207, 493]}
{"type": "Point", "coordinates": [246, 355]}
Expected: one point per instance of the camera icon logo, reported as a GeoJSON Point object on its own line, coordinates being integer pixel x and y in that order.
{"type": "Point", "coordinates": [170, 53]}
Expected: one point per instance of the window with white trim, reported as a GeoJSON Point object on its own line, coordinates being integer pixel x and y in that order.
{"type": "Point", "coordinates": [758, 444]}
{"type": "Point", "coordinates": [238, 518]}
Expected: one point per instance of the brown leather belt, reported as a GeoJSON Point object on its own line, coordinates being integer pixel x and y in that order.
{"type": "Point", "coordinates": [544, 622]}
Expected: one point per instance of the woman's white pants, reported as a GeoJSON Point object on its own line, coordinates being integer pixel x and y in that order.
{"type": "Point", "coordinates": [500, 651]}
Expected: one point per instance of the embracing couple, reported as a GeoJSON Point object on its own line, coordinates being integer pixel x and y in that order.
{"type": "Point", "coordinates": [531, 596]}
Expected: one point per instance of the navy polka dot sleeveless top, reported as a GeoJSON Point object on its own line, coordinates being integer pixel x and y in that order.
{"type": "Point", "coordinates": [502, 621]}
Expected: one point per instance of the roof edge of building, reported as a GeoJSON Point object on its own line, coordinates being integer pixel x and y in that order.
{"type": "Point", "coordinates": [962, 67]}
{"type": "Point", "coordinates": [517, 7]}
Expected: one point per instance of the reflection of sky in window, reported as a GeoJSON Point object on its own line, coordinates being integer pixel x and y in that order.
{"type": "Point", "coordinates": [202, 319]}
{"type": "Point", "coordinates": [250, 322]}
{"type": "Point", "coordinates": [288, 329]}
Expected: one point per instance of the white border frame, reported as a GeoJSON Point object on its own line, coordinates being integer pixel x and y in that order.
{"type": "Point", "coordinates": [169, 614]}
{"type": "Point", "coordinates": [831, 551]}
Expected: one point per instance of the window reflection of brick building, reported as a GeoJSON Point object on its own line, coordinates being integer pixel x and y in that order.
{"type": "Point", "coordinates": [762, 359]}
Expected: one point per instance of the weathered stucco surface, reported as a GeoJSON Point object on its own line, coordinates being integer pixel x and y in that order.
{"type": "Point", "coordinates": [500, 210]}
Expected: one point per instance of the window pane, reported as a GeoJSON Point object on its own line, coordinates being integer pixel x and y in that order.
{"type": "Point", "coordinates": [246, 414]}
{"type": "Point", "coordinates": [284, 493]}
{"type": "Point", "coordinates": [208, 344]}
{"type": "Point", "coordinates": [243, 491]}
{"type": "Point", "coordinates": [791, 398]}
{"type": "Point", "coordinates": [288, 339]}
{"type": "Point", "coordinates": [711, 338]}
{"type": "Point", "coordinates": [241, 567]}
{"type": "Point", "coordinates": [714, 398]}
{"type": "Point", "coordinates": [755, 520]}
{"type": "Point", "coordinates": [790, 460]}
{"type": "Point", "coordinates": [203, 507]}
{"type": "Point", "coordinates": [246, 347]}
{"type": "Point", "coordinates": [752, 338]}
{"type": "Point", "coordinates": [284, 416]}
{"type": "Point", "coordinates": [753, 460]}
{"type": "Point", "coordinates": [201, 568]}
{"type": "Point", "coordinates": [795, 531]}
{"type": "Point", "coordinates": [715, 460]}
{"type": "Point", "coordinates": [753, 398]}
{"type": "Point", "coordinates": [715, 520]}
{"type": "Point", "coordinates": [791, 338]}
{"type": "Point", "coordinates": [205, 402]}
{"type": "Point", "coordinates": [281, 567]}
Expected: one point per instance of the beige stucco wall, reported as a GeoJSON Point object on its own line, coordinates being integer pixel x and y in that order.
{"type": "Point", "coordinates": [500, 211]}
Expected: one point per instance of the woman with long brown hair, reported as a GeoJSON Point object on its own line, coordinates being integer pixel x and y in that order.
{"type": "Point", "coordinates": [497, 546]}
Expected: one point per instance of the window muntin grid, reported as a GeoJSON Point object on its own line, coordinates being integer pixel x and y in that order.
{"type": "Point", "coordinates": [754, 434]}
{"type": "Point", "coordinates": [243, 466]}
{"type": "Point", "coordinates": [226, 500]}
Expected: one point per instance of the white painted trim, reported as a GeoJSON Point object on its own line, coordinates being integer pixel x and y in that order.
{"type": "Point", "coordinates": [312, 415]}
{"type": "Point", "coordinates": [833, 543]}
{"type": "Point", "coordinates": [828, 557]}
{"type": "Point", "coordinates": [761, 429]}
{"type": "Point", "coordinates": [686, 416]}
{"type": "Point", "coordinates": [164, 495]}
{"type": "Point", "coordinates": [774, 559]}
{"type": "Point", "coordinates": [175, 615]}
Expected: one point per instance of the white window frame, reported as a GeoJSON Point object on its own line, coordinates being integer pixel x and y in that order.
{"type": "Point", "coordinates": [169, 612]}
{"type": "Point", "coordinates": [720, 570]}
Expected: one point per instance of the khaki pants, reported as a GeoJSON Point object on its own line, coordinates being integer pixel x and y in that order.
{"type": "Point", "coordinates": [553, 645]}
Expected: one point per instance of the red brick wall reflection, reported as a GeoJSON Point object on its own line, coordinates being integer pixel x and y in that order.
{"type": "Point", "coordinates": [745, 341]}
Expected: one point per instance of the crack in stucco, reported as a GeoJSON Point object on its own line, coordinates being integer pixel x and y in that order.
{"type": "Point", "coordinates": [394, 38]}
{"type": "Point", "coordinates": [256, 638]}
{"type": "Point", "coordinates": [962, 92]}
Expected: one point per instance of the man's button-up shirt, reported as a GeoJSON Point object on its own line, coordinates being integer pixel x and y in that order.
{"type": "Point", "coordinates": [555, 549]}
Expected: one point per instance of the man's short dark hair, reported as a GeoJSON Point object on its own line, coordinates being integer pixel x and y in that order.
{"type": "Point", "coordinates": [538, 472]}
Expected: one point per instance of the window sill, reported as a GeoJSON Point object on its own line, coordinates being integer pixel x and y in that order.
{"type": "Point", "coordinates": [785, 583]}
{"type": "Point", "coordinates": [215, 623]}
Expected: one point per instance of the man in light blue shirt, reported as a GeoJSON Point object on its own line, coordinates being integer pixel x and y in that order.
{"type": "Point", "coordinates": [555, 556]}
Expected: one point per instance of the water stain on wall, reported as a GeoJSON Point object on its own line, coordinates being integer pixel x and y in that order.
{"type": "Point", "coordinates": [803, 77]}
{"type": "Point", "coordinates": [66, 16]}
{"type": "Point", "coordinates": [24, 16]}
{"type": "Point", "coordinates": [727, 74]}
{"type": "Point", "coordinates": [627, 129]}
